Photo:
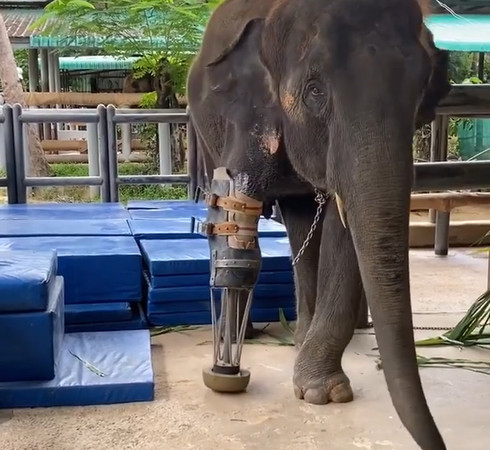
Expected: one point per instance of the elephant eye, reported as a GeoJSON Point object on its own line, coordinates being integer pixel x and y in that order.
{"type": "Point", "coordinates": [315, 90]}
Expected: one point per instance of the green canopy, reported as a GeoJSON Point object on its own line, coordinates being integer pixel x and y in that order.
{"type": "Point", "coordinates": [457, 33]}
{"type": "Point", "coordinates": [101, 62]}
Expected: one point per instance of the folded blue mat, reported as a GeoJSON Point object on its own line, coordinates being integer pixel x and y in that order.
{"type": "Point", "coordinates": [186, 228]}
{"type": "Point", "coordinates": [205, 305]}
{"type": "Point", "coordinates": [30, 342]}
{"type": "Point", "coordinates": [172, 256]}
{"type": "Point", "coordinates": [136, 322]}
{"type": "Point", "coordinates": [83, 211]}
{"type": "Point", "coordinates": [168, 213]}
{"type": "Point", "coordinates": [24, 279]}
{"type": "Point", "coordinates": [64, 227]}
{"type": "Point", "coordinates": [96, 269]}
{"type": "Point", "coordinates": [191, 293]}
{"type": "Point", "coordinates": [165, 204]}
{"type": "Point", "coordinates": [204, 318]}
{"type": "Point", "coordinates": [93, 369]}
{"type": "Point", "coordinates": [202, 279]}
{"type": "Point", "coordinates": [97, 312]}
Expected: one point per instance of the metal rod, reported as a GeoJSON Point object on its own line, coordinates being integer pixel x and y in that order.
{"type": "Point", "coordinates": [102, 129]}
{"type": "Point", "coordinates": [191, 157]}
{"type": "Point", "coordinates": [10, 166]}
{"type": "Point", "coordinates": [57, 116]}
{"type": "Point", "coordinates": [62, 181]}
{"type": "Point", "coordinates": [112, 154]}
{"type": "Point", "coordinates": [149, 116]}
{"type": "Point", "coordinates": [20, 173]}
{"type": "Point", "coordinates": [441, 245]}
{"type": "Point", "coordinates": [93, 157]}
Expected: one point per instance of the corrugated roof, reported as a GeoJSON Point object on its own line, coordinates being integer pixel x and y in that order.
{"type": "Point", "coordinates": [19, 21]}
{"type": "Point", "coordinates": [99, 62]}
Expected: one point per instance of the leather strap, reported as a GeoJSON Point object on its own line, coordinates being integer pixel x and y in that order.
{"type": "Point", "coordinates": [232, 204]}
{"type": "Point", "coordinates": [227, 229]}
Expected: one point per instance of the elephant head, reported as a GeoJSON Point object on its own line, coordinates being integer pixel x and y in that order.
{"type": "Point", "coordinates": [340, 86]}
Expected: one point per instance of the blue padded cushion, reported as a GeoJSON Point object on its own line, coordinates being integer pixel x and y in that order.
{"type": "Point", "coordinates": [136, 322]}
{"type": "Point", "coordinates": [96, 269]}
{"type": "Point", "coordinates": [64, 227]}
{"type": "Point", "coordinates": [184, 228]}
{"type": "Point", "coordinates": [205, 305]}
{"type": "Point", "coordinates": [191, 293]}
{"type": "Point", "coordinates": [173, 256]}
{"type": "Point", "coordinates": [97, 312]}
{"type": "Point", "coordinates": [24, 279]}
{"type": "Point", "coordinates": [30, 342]}
{"type": "Point", "coordinates": [168, 213]}
{"type": "Point", "coordinates": [165, 204]}
{"type": "Point", "coordinates": [202, 279]}
{"type": "Point", "coordinates": [93, 369]}
{"type": "Point", "coordinates": [79, 211]}
{"type": "Point", "coordinates": [204, 318]}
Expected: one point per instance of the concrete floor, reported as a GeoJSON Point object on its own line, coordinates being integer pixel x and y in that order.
{"type": "Point", "coordinates": [187, 415]}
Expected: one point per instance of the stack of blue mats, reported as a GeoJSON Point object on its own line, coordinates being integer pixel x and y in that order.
{"type": "Point", "coordinates": [40, 365]}
{"type": "Point", "coordinates": [178, 281]}
{"type": "Point", "coordinates": [97, 256]}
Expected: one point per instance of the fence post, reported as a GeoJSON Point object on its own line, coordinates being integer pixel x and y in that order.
{"type": "Point", "coordinates": [126, 140]}
{"type": "Point", "coordinates": [164, 149]}
{"type": "Point", "coordinates": [112, 154]}
{"type": "Point", "coordinates": [103, 156]}
{"type": "Point", "coordinates": [93, 156]}
{"type": "Point", "coordinates": [8, 141]}
{"type": "Point", "coordinates": [191, 156]}
{"type": "Point", "coordinates": [20, 169]}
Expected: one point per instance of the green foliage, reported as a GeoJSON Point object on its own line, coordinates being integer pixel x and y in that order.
{"type": "Point", "coordinates": [149, 29]}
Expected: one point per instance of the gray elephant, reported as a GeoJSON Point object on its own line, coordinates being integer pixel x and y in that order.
{"type": "Point", "coordinates": [305, 100]}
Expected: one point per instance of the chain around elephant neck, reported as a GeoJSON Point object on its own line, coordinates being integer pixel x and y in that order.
{"type": "Point", "coordinates": [320, 198]}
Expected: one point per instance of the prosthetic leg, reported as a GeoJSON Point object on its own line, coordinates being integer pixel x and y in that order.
{"type": "Point", "coordinates": [231, 229]}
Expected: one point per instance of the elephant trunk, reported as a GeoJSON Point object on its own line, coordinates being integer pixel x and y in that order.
{"type": "Point", "coordinates": [378, 218]}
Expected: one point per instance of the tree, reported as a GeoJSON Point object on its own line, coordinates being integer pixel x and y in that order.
{"type": "Point", "coordinates": [13, 93]}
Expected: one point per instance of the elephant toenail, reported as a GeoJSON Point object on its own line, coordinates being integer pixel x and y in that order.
{"type": "Point", "coordinates": [298, 392]}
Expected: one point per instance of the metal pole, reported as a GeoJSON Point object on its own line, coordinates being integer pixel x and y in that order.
{"type": "Point", "coordinates": [434, 145]}
{"type": "Point", "coordinates": [93, 157]}
{"type": "Point", "coordinates": [33, 70]}
{"type": "Point", "coordinates": [164, 149]}
{"type": "Point", "coordinates": [126, 140]}
{"type": "Point", "coordinates": [191, 157]}
{"type": "Point", "coordinates": [8, 141]}
{"type": "Point", "coordinates": [112, 154]}
{"type": "Point", "coordinates": [3, 150]}
{"type": "Point", "coordinates": [441, 244]}
{"type": "Point", "coordinates": [20, 172]}
{"type": "Point", "coordinates": [45, 86]}
{"type": "Point", "coordinates": [105, 191]}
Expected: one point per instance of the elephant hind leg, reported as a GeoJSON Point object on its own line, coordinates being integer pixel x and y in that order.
{"type": "Point", "coordinates": [298, 214]}
{"type": "Point", "coordinates": [318, 374]}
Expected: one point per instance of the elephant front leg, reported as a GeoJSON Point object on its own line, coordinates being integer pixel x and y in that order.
{"type": "Point", "coordinates": [318, 375]}
{"type": "Point", "coordinates": [298, 214]}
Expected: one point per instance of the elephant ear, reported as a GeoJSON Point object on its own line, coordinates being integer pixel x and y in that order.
{"type": "Point", "coordinates": [240, 83]}
{"type": "Point", "coordinates": [438, 85]}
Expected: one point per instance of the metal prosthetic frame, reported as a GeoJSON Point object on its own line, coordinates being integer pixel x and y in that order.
{"type": "Point", "coordinates": [232, 231]}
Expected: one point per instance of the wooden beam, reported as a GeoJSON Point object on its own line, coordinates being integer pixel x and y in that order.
{"type": "Point", "coordinates": [81, 99]}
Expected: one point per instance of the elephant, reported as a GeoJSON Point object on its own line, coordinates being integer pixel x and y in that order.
{"type": "Point", "coordinates": [312, 101]}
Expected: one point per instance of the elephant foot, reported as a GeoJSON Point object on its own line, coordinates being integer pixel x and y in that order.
{"type": "Point", "coordinates": [320, 391]}
{"type": "Point", "coordinates": [302, 327]}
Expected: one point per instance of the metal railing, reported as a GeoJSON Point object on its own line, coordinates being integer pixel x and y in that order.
{"type": "Point", "coordinates": [9, 180]}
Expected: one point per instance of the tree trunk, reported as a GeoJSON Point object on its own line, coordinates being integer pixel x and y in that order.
{"type": "Point", "coordinates": [13, 93]}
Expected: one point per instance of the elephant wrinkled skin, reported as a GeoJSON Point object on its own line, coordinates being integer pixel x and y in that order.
{"type": "Point", "coordinates": [292, 95]}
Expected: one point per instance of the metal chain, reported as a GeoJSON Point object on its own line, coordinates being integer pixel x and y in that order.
{"type": "Point", "coordinates": [320, 198]}
{"type": "Point", "coordinates": [371, 325]}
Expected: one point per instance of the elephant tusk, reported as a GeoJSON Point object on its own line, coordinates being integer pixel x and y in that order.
{"type": "Point", "coordinates": [340, 207]}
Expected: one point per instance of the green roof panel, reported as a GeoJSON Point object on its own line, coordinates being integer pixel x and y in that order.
{"type": "Point", "coordinates": [468, 33]}
{"type": "Point", "coordinates": [101, 62]}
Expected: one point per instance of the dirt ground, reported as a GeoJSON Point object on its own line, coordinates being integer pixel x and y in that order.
{"type": "Point", "coordinates": [185, 414]}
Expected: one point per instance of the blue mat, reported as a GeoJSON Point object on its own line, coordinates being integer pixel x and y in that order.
{"type": "Point", "coordinates": [198, 306]}
{"type": "Point", "coordinates": [204, 318]}
{"type": "Point", "coordinates": [165, 204]}
{"type": "Point", "coordinates": [24, 279]}
{"type": "Point", "coordinates": [137, 322]}
{"type": "Point", "coordinates": [93, 369]}
{"type": "Point", "coordinates": [96, 269]}
{"type": "Point", "coordinates": [63, 227]}
{"type": "Point", "coordinates": [80, 211]}
{"type": "Point", "coordinates": [168, 213]}
{"type": "Point", "coordinates": [30, 342]}
{"type": "Point", "coordinates": [202, 279]}
{"type": "Point", "coordinates": [191, 293]}
{"type": "Point", "coordinates": [184, 228]}
{"type": "Point", "coordinates": [172, 257]}
{"type": "Point", "coordinates": [97, 312]}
